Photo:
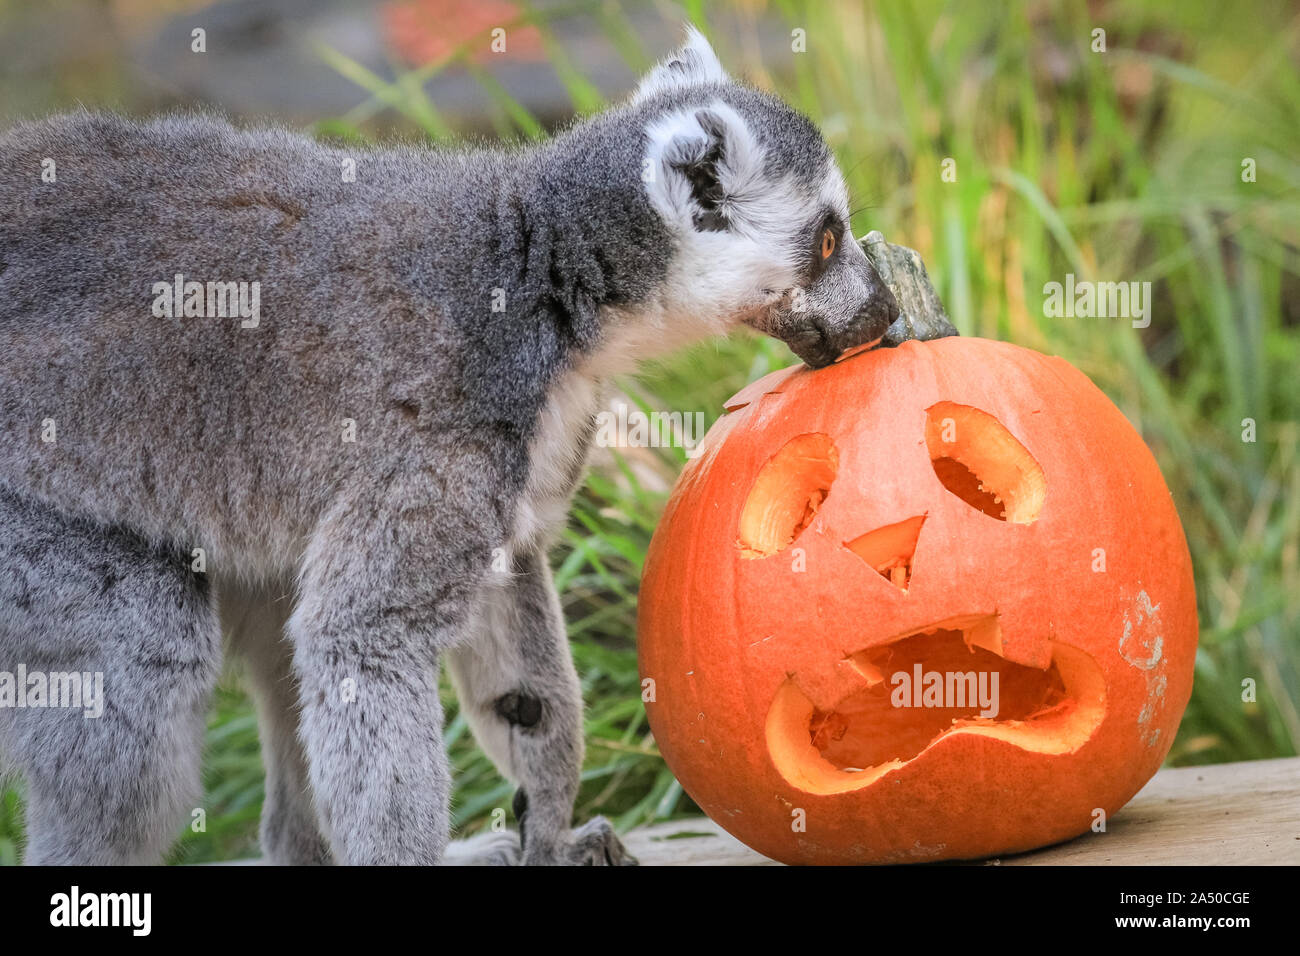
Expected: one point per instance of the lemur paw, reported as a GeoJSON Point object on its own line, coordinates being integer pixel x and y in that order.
{"type": "Point", "coordinates": [593, 844]}
{"type": "Point", "coordinates": [494, 848]}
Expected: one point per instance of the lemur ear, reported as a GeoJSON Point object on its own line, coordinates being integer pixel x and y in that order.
{"type": "Point", "coordinates": [701, 166]}
{"type": "Point", "coordinates": [694, 64]}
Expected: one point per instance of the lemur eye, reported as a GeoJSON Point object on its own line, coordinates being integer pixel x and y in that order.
{"type": "Point", "coordinates": [828, 243]}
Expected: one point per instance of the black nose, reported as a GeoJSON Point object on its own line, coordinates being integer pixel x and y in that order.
{"type": "Point", "coordinates": [876, 315]}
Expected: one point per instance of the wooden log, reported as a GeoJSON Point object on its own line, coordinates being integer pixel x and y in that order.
{"type": "Point", "coordinates": [1237, 813]}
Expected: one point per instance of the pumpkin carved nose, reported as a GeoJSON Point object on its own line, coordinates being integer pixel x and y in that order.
{"type": "Point", "coordinates": [889, 550]}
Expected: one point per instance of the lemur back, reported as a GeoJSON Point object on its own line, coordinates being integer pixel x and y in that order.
{"type": "Point", "coordinates": [199, 424]}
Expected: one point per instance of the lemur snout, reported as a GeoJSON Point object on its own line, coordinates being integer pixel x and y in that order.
{"type": "Point", "coordinates": [851, 310]}
{"type": "Point", "coordinates": [876, 315]}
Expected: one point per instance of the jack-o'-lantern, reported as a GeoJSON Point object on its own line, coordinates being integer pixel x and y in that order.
{"type": "Point", "coordinates": [927, 603]}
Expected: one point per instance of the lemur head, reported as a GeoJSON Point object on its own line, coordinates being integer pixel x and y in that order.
{"type": "Point", "coordinates": [758, 211]}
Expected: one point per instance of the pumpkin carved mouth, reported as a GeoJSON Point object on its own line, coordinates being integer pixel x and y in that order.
{"type": "Point", "coordinates": [923, 687]}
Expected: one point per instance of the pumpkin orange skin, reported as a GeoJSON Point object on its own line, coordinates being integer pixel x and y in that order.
{"type": "Point", "coordinates": [722, 633]}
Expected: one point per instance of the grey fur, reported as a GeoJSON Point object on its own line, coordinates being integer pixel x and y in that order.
{"type": "Point", "coordinates": [77, 597]}
{"type": "Point", "coordinates": [254, 620]}
{"type": "Point", "coordinates": [344, 572]}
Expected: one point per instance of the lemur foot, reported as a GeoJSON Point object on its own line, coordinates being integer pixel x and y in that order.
{"type": "Point", "coordinates": [593, 844]}
{"type": "Point", "coordinates": [494, 848]}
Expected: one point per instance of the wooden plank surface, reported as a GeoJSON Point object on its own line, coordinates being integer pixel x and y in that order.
{"type": "Point", "coordinates": [1238, 813]}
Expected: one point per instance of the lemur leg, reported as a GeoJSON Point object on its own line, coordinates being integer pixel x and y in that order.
{"type": "Point", "coordinates": [74, 597]}
{"type": "Point", "coordinates": [385, 587]}
{"type": "Point", "coordinates": [254, 621]}
{"type": "Point", "coordinates": [517, 686]}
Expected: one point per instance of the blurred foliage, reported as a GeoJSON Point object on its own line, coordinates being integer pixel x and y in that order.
{"type": "Point", "coordinates": [1115, 166]}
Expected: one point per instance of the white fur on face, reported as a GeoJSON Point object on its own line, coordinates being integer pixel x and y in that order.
{"type": "Point", "coordinates": [720, 278]}
{"type": "Point", "coordinates": [717, 278]}
{"type": "Point", "coordinates": [835, 193]}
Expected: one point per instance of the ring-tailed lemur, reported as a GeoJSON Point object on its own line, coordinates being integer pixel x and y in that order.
{"type": "Point", "coordinates": [327, 472]}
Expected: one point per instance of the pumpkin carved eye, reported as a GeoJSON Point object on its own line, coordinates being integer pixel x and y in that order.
{"type": "Point", "coordinates": [982, 463]}
{"type": "Point", "coordinates": [786, 495]}
{"type": "Point", "coordinates": [828, 243]}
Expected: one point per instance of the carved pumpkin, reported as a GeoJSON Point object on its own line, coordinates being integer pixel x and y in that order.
{"type": "Point", "coordinates": [961, 508]}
